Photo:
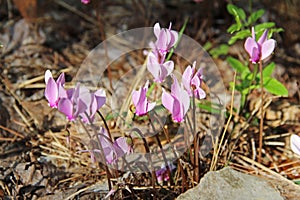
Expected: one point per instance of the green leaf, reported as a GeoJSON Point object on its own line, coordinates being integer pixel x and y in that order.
{"type": "Point", "coordinates": [239, 36]}
{"type": "Point", "coordinates": [207, 46]}
{"type": "Point", "coordinates": [233, 28]}
{"type": "Point", "coordinates": [151, 88]}
{"type": "Point", "coordinates": [210, 107]}
{"type": "Point", "coordinates": [237, 65]}
{"type": "Point", "coordinates": [255, 16]}
{"type": "Point", "coordinates": [241, 14]}
{"type": "Point", "coordinates": [236, 11]}
{"type": "Point", "coordinates": [260, 28]}
{"type": "Point", "coordinates": [275, 87]}
{"type": "Point", "coordinates": [268, 70]}
{"type": "Point", "coordinates": [221, 50]}
{"type": "Point", "coordinates": [232, 9]}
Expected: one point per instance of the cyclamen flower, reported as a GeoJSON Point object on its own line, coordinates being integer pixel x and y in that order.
{"type": "Point", "coordinates": [166, 39]}
{"type": "Point", "coordinates": [81, 102]}
{"type": "Point", "coordinates": [117, 149]}
{"type": "Point", "coordinates": [54, 89]}
{"type": "Point", "coordinates": [162, 174]}
{"type": "Point", "coordinates": [159, 71]}
{"type": "Point", "coordinates": [295, 144]}
{"type": "Point", "coordinates": [261, 49]}
{"type": "Point", "coordinates": [93, 100]}
{"type": "Point", "coordinates": [192, 82]}
{"type": "Point", "coordinates": [72, 105]}
{"type": "Point", "coordinates": [178, 102]}
{"type": "Point", "coordinates": [140, 101]}
{"type": "Point", "coordinates": [85, 1]}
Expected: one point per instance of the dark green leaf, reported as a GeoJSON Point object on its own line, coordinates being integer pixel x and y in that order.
{"type": "Point", "coordinates": [275, 87]}
{"type": "Point", "coordinates": [237, 65]}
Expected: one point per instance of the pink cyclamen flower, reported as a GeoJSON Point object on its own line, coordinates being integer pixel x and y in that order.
{"type": "Point", "coordinates": [159, 70]}
{"type": "Point", "coordinates": [114, 150]}
{"type": "Point", "coordinates": [261, 49]}
{"type": "Point", "coordinates": [162, 174]}
{"type": "Point", "coordinates": [73, 105]}
{"type": "Point", "coordinates": [93, 101]}
{"type": "Point", "coordinates": [178, 102]}
{"type": "Point", "coordinates": [295, 144]}
{"type": "Point", "coordinates": [140, 101]}
{"type": "Point", "coordinates": [54, 89]}
{"type": "Point", "coordinates": [85, 1]}
{"type": "Point", "coordinates": [192, 81]}
{"type": "Point", "coordinates": [166, 38]}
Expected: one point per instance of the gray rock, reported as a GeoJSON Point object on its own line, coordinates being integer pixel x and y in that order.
{"type": "Point", "coordinates": [230, 184]}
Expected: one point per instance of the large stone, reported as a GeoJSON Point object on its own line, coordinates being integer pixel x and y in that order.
{"type": "Point", "coordinates": [230, 184]}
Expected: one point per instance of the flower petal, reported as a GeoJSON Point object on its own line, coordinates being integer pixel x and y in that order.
{"type": "Point", "coordinates": [167, 101]}
{"type": "Point", "coordinates": [157, 29]}
{"type": "Point", "coordinates": [48, 75]}
{"type": "Point", "coordinates": [295, 144]}
{"type": "Point", "coordinates": [186, 78]}
{"type": "Point", "coordinates": [263, 37]}
{"type": "Point", "coordinates": [100, 98]}
{"type": "Point", "coordinates": [153, 66]}
{"type": "Point", "coordinates": [61, 79]}
{"type": "Point", "coordinates": [249, 45]}
{"type": "Point", "coordinates": [51, 92]}
{"type": "Point", "coordinates": [66, 106]}
{"type": "Point", "coordinates": [267, 48]}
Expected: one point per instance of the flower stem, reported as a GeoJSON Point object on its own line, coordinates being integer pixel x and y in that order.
{"type": "Point", "coordinates": [261, 113]}
{"type": "Point", "coordinates": [196, 149]}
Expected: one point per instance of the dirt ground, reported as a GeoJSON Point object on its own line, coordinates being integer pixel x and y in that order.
{"type": "Point", "coordinates": [36, 160]}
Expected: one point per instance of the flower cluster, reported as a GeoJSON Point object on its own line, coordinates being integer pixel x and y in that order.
{"type": "Point", "coordinates": [74, 102]}
{"type": "Point", "coordinates": [178, 101]}
{"type": "Point", "coordinates": [156, 65]}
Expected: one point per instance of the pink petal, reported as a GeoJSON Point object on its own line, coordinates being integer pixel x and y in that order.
{"type": "Point", "coordinates": [185, 100]}
{"type": "Point", "coordinates": [150, 106]}
{"type": "Point", "coordinates": [66, 106]}
{"type": "Point", "coordinates": [253, 33]}
{"type": "Point", "coordinates": [51, 92]}
{"type": "Point", "coordinates": [200, 93]}
{"type": "Point", "coordinates": [267, 48]}
{"type": "Point", "coordinates": [186, 78]}
{"type": "Point", "coordinates": [255, 57]}
{"type": "Point", "coordinates": [174, 38]}
{"type": "Point", "coordinates": [48, 75]}
{"type": "Point", "coordinates": [61, 79]}
{"type": "Point", "coordinates": [249, 45]}
{"type": "Point", "coordinates": [167, 101]}
{"type": "Point", "coordinates": [136, 96]}
{"type": "Point", "coordinates": [153, 66]}
{"type": "Point", "coordinates": [175, 88]}
{"type": "Point", "coordinates": [157, 30]}
{"type": "Point", "coordinates": [295, 144]}
{"type": "Point", "coordinates": [100, 98]}
{"type": "Point", "coordinates": [263, 38]}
